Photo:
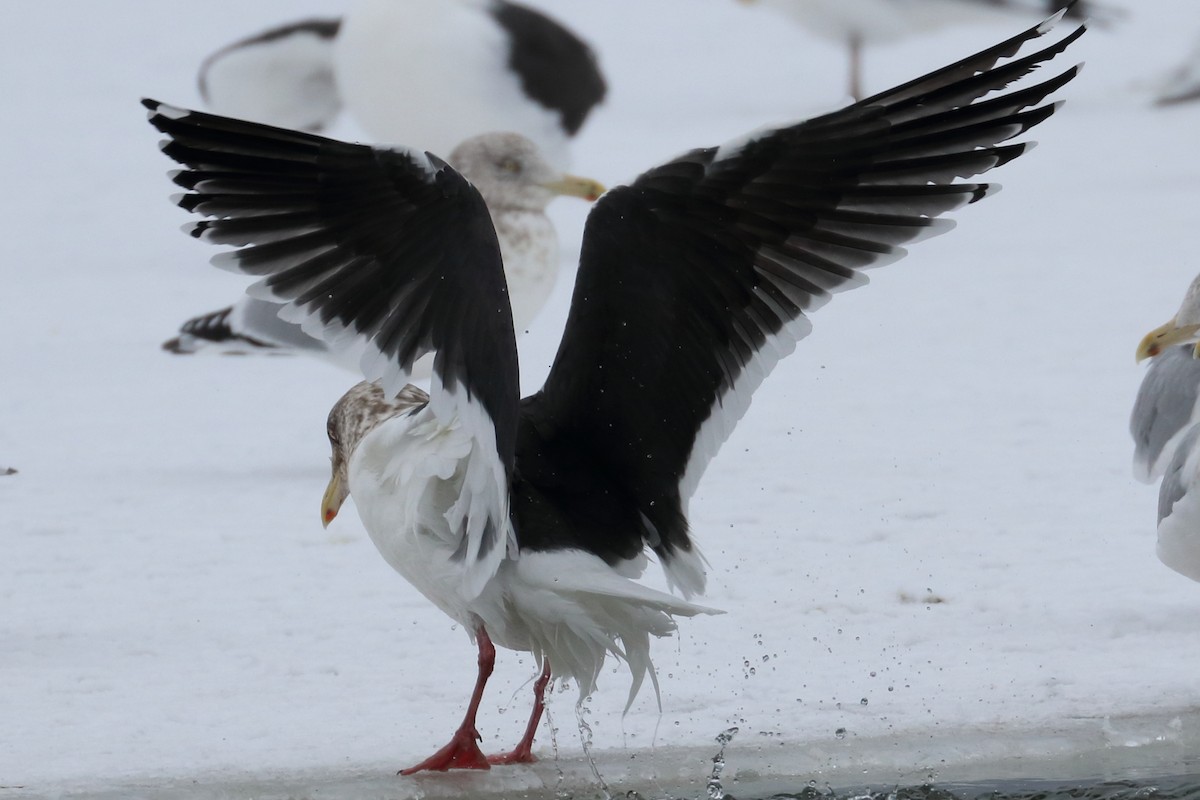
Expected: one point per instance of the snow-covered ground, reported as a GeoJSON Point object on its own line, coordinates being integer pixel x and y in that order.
{"type": "Point", "coordinates": [925, 531]}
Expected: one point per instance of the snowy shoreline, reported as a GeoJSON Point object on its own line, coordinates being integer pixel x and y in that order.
{"type": "Point", "coordinates": [1080, 750]}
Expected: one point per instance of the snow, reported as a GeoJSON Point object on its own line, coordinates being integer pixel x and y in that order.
{"type": "Point", "coordinates": [929, 506]}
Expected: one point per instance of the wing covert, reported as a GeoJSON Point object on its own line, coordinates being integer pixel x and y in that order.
{"type": "Point", "coordinates": [385, 252]}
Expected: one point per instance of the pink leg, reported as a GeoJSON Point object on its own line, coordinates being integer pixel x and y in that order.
{"type": "Point", "coordinates": [462, 752]}
{"type": "Point", "coordinates": [523, 752]}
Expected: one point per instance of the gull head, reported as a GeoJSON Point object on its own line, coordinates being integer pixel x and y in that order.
{"type": "Point", "coordinates": [358, 412]}
{"type": "Point", "coordinates": [510, 172]}
{"type": "Point", "coordinates": [1183, 328]}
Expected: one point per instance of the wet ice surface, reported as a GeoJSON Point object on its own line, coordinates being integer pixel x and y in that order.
{"type": "Point", "coordinates": [727, 770]}
{"type": "Point", "coordinates": [929, 506]}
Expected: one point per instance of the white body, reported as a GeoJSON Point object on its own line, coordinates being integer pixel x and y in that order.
{"type": "Point", "coordinates": [407, 477]}
{"type": "Point", "coordinates": [286, 82]}
{"type": "Point", "coordinates": [1179, 527]}
{"type": "Point", "coordinates": [429, 73]}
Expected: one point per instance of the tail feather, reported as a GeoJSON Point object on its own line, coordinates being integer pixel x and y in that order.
{"type": "Point", "coordinates": [580, 611]}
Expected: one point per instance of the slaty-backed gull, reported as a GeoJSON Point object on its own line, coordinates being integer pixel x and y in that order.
{"type": "Point", "coordinates": [1166, 428]}
{"type": "Point", "coordinates": [517, 185]}
{"type": "Point", "coordinates": [425, 73]}
{"type": "Point", "coordinates": [858, 23]}
{"type": "Point", "coordinates": [528, 520]}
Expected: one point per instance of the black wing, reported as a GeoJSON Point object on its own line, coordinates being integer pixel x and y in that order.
{"type": "Point", "coordinates": [386, 251]}
{"type": "Point", "coordinates": [695, 280]}
{"type": "Point", "coordinates": [556, 67]}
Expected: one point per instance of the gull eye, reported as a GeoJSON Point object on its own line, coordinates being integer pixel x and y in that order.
{"type": "Point", "coordinates": [510, 166]}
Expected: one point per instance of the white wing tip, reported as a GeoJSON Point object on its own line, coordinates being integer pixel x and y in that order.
{"type": "Point", "coordinates": [1051, 21]}
{"type": "Point", "coordinates": [165, 110]}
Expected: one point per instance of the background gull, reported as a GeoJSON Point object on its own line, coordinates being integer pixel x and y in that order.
{"type": "Point", "coordinates": [515, 182]}
{"type": "Point", "coordinates": [1166, 433]}
{"type": "Point", "coordinates": [527, 520]}
{"type": "Point", "coordinates": [859, 23]}
{"type": "Point", "coordinates": [424, 73]}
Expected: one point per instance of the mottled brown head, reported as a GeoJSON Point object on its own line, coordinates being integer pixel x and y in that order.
{"type": "Point", "coordinates": [356, 414]}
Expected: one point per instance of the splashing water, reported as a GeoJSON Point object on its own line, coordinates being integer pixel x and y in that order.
{"type": "Point", "coordinates": [715, 790]}
{"type": "Point", "coordinates": [585, 736]}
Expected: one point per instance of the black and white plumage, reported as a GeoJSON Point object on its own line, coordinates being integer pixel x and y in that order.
{"type": "Point", "coordinates": [527, 520]}
{"type": "Point", "coordinates": [861, 23]}
{"type": "Point", "coordinates": [426, 73]}
{"type": "Point", "coordinates": [1166, 429]}
{"type": "Point", "coordinates": [517, 185]}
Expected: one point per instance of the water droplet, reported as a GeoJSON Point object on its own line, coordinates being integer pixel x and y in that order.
{"type": "Point", "coordinates": [840, 733]}
{"type": "Point", "coordinates": [863, 702]}
{"type": "Point", "coordinates": [715, 790]}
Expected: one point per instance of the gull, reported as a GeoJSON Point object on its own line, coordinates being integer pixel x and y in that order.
{"type": "Point", "coordinates": [858, 23]}
{"type": "Point", "coordinates": [516, 184]}
{"type": "Point", "coordinates": [529, 520]}
{"type": "Point", "coordinates": [1166, 428]}
{"type": "Point", "coordinates": [425, 73]}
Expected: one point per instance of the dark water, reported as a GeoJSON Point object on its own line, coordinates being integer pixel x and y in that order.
{"type": "Point", "coordinates": [1174, 788]}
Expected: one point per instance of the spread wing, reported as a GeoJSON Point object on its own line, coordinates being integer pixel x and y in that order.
{"type": "Point", "coordinates": [695, 280]}
{"type": "Point", "coordinates": [385, 253]}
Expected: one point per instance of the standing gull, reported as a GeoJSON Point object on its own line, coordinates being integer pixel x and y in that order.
{"type": "Point", "coordinates": [428, 73]}
{"type": "Point", "coordinates": [528, 520]}
{"type": "Point", "coordinates": [1166, 430]}
{"type": "Point", "coordinates": [858, 23]}
{"type": "Point", "coordinates": [516, 184]}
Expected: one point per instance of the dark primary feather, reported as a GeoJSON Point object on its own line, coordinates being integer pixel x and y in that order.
{"type": "Point", "coordinates": [700, 270]}
{"type": "Point", "coordinates": [393, 245]}
{"type": "Point", "coordinates": [688, 273]}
